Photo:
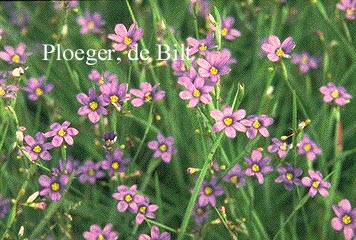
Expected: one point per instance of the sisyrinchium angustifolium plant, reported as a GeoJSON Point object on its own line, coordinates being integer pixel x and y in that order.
{"type": "Point", "coordinates": [173, 119]}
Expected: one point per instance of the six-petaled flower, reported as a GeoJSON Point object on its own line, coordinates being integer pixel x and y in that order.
{"type": "Point", "coordinates": [163, 147]}
{"type": "Point", "coordinates": [275, 50]}
{"type": "Point", "coordinates": [345, 218]}
{"type": "Point", "coordinates": [316, 183]}
{"type": "Point", "coordinates": [124, 38]}
{"type": "Point", "coordinates": [258, 165]}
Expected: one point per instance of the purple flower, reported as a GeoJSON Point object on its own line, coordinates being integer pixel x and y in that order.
{"type": "Point", "coordinates": [192, 77]}
{"type": "Point", "coordinates": [147, 93]}
{"type": "Point", "coordinates": [90, 23]}
{"type": "Point", "coordinates": [155, 235]}
{"type": "Point", "coordinates": [274, 49]}
{"type": "Point", "coordinates": [90, 172]}
{"type": "Point", "coordinates": [202, 46]}
{"type": "Point", "coordinates": [114, 93]}
{"type": "Point", "coordinates": [235, 176]}
{"type": "Point", "coordinates": [53, 186]}
{"type": "Point", "coordinates": [258, 124]}
{"type": "Point", "coordinates": [144, 209]}
{"type": "Point", "coordinates": [308, 148]}
{"type": "Point", "coordinates": [127, 198]}
{"type": "Point", "coordinates": [278, 146]}
{"type": "Point", "coordinates": [227, 30]}
{"type": "Point", "coordinates": [216, 64]}
{"type": "Point", "coordinates": [196, 92]}
{"type": "Point", "coordinates": [61, 132]}
{"type": "Point", "coordinates": [20, 18]}
{"type": "Point", "coordinates": [114, 162]}
{"type": "Point", "coordinates": [93, 105]}
{"type": "Point", "coordinates": [345, 218]}
{"type": "Point", "coordinates": [109, 139]}
{"type": "Point", "coordinates": [334, 94]}
{"type": "Point", "coordinates": [102, 78]}
{"type": "Point", "coordinates": [58, 5]}
{"type": "Point", "coordinates": [209, 191]}
{"type": "Point", "coordinates": [37, 147]}
{"type": "Point", "coordinates": [200, 213]}
{"type": "Point", "coordinates": [348, 7]}
{"type": "Point", "coordinates": [316, 183]}
{"type": "Point", "coordinates": [180, 68]}
{"type": "Point", "coordinates": [124, 38]}
{"type": "Point", "coordinates": [68, 166]}
{"type": "Point", "coordinates": [305, 61]}
{"type": "Point", "coordinates": [289, 176]}
{"type": "Point", "coordinates": [17, 55]}
{"type": "Point", "coordinates": [36, 88]}
{"type": "Point", "coordinates": [163, 147]}
{"type": "Point", "coordinates": [229, 121]}
{"type": "Point", "coordinates": [5, 206]}
{"type": "Point", "coordinates": [7, 91]}
{"type": "Point", "coordinates": [199, 8]}
{"type": "Point", "coordinates": [257, 165]}
{"type": "Point", "coordinates": [96, 233]}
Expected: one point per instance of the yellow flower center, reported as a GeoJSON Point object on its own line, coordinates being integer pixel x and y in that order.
{"type": "Point", "coordinates": [37, 149]}
{"type": "Point", "coordinates": [208, 190]}
{"type": "Point", "coordinates": [346, 219]}
{"type": "Point", "coordinates": [316, 184]}
{"type": "Point", "coordinates": [224, 31]}
{"type": "Point", "coordinates": [39, 91]}
{"type": "Point", "coordinates": [305, 60]}
{"type": "Point", "coordinates": [91, 172]}
{"type": "Point", "coordinates": [93, 105]}
{"type": "Point", "coordinates": [115, 165]}
{"type": "Point", "coordinates": [101, 81]}
{"type": "Point", "coordinates": [163, 148]}
{"type": "Point", "coordinates": [15, 58]}
{"type": "Point", "coordinates": [202, 47]}
{"type": "Point", "coordinates": [283, 147]}
{"type": "Point", "coordinates": [142, 209]}
{"type": "Point", "coordinates": [114, 98]}
{"type": "Point", "coordinates": [350, 11]}
{"type": "Point", "coordinates": [55, 187]}
{"type": "Point", "coordinates": [127, 40]}
{"type": "Point", "coordinates": [2, 92]}
{"type": "Point", "coordinates": [228, 121]}
{"type": "Point", "coordinates": [196, 93]}
{"type": "Point", "coordinates": [199, 211]}
{"type": "Point", "coordinates": [91, 25]}
{"type": "Point", "coordinates": [183, 68]}
{"type": "Point", "coordinates": [128, 198]}
{"type": "Point", "coordinates": [214, 70]}
{"type": "Point", "coordinates": [289, 175]}
{"type": "Point", "coordinates": [61, 132]}
{"type": "Point", "coordinates": [307, 147]}
{"type": "Point", "coordinates": [255, 168]}
{"type": "Point", "coordinates": [256, 124]}
{"type": "Point", "coordinates": [234, 179]}
{"type": "Point", "coordinates": [100, 237]}
{"type": "Point", "coordinates": [148, 97]}
{"type": "Point", "coordinates": [335, 93]}
{"type": "Point", "coordinates": [279, 52]}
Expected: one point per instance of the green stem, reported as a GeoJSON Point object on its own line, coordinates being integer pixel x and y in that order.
{"type": "Point", "coordinates": [148, 127]}
{"type": "Point", "coordinates": [12, 214]}
{"type": "Point", "coordinates": [197, 187]}
{"type": "Point", "coordinates": [233, 235]}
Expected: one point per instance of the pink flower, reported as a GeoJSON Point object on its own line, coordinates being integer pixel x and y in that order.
{"type": "Point", "coordinates": [229, 121]}
{"type": "Point", "coordinates": [275, 50]}
{"type": "Point", "coordinates": [124, 38]}
{"type": "Point", "coordinates": [17, 55]}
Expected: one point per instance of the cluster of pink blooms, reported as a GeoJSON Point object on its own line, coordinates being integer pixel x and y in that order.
{"type": "Point", "coordinates": [116, 94]}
